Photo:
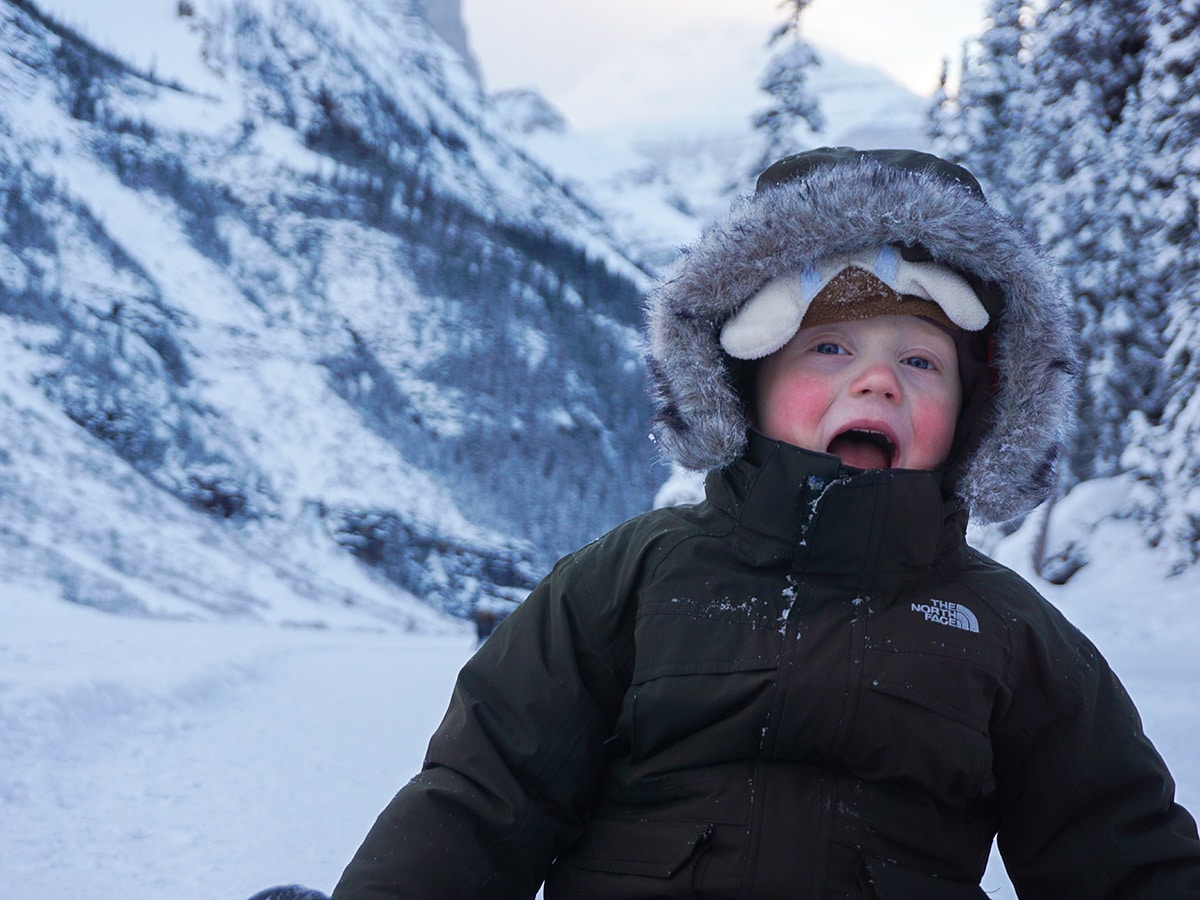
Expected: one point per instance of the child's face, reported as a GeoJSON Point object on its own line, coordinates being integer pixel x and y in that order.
{"type": "Point", "coordinates": [877, 393]}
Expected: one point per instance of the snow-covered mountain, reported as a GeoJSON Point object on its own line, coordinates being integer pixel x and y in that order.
{"type": "Point", "coordinates": [291, 328]}
{"type": "Point", "coordinates": [660, 135]}
{"type": "Point", "coordinates": [300, 325]}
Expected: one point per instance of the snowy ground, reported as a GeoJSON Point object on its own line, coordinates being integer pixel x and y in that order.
{"type": "Point", "coordinates": [157, 759]}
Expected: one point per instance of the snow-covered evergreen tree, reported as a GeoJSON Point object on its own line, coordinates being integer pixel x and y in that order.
{"type": "Point", "coordinates": [1084, 196]}
{"type": "Point", "coordinates": [1164, 452]}
{"type": "Point", "coordinates": [785, 80]}
{"type": "Point", "coordinates": [978, 124]}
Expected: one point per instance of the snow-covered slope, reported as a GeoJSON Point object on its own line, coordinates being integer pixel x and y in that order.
{"type": "Point", "coordinates": [291, 329]}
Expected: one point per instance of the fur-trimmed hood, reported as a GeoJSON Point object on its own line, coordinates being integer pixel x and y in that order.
{"type": "Point", "coordinates": [842, 201]}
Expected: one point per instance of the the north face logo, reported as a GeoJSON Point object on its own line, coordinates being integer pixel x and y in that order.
{"type": "Point", "coordinates": [953, 614]}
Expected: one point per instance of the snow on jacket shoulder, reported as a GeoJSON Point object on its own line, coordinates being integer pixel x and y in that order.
{"type": "Point", "coordinates": [806, 686]}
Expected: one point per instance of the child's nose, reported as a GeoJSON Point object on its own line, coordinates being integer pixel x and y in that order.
{"type": "Point", "coordinates": [877, 379]}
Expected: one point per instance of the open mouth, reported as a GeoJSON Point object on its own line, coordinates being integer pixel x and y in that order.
{"type": "Point", "coordinates": [863, 448]}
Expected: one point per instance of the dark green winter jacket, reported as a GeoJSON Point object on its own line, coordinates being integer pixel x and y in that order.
{"type": "Point", "coordinates": [806, 686]}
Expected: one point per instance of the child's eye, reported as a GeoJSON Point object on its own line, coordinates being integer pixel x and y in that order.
{"type": "Point", "coordinates": [828, 347]}
{"type": "Point", "coordinates": [919, 362]}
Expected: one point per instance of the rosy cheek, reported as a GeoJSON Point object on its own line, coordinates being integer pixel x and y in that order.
{"type": "Point", "coordinates": [791, 412]}
{"type": "Point", "coordinates": [933, 424]}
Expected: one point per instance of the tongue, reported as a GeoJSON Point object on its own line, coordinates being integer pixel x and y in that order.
{"type": "Point", "coordinates": [859, 453]}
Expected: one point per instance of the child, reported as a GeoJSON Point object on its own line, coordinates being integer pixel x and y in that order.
{"type": "Point", "coordinates": [809, 685]}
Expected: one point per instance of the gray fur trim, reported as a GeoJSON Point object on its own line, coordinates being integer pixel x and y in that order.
{"type": "Point", "coordinates": [841, 209]}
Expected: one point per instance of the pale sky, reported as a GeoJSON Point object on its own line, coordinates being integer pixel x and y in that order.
{"type": "Point", "coordinates": [551, 44]}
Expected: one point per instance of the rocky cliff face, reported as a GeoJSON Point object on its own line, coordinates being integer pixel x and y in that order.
{"type": "Point", "coordinates": [445, 16]}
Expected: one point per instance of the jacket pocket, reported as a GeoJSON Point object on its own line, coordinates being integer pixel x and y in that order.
{"type": "Point", "coordinates": [699, 717]}
{"type": "Point", "coordinates": [924, 719]}
{"type": "Point", "coordinates": [642, 859]}
{"type": "Point", "coordinates": [891, 882]}
{"type": "Point", "coordinates": [949, 685]}
{"type": "Point", "coordinates": [647, 848]}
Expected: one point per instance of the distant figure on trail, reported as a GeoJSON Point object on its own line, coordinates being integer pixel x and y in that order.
{"type": "Point", "coordinates": [485, 621]}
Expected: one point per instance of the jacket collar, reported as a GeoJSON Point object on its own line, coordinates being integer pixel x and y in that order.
{"type": "Point", "coordinates": [835, 519]}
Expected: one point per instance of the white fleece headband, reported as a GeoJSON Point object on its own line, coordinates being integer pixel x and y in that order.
{"type": "Point", "coordinates": [770, 318]}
